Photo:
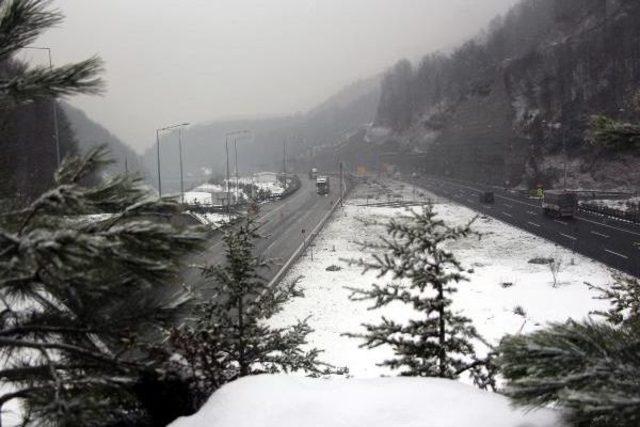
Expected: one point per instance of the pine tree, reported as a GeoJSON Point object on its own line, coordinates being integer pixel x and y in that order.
{"type": "Point", "coordinates": [27, 95]}
{"type": "Point", "coordinates": [591, 368]}
{"type": "Point", "coordinates": [230, 337]}
{"type": "Point", "coordinates": [21, 23]}
{"type": "Point", "coordinates": [87, 281]}
{"type": "Point", "coordinates": [436, 342]}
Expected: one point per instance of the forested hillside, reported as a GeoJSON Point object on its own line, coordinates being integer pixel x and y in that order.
{"type": "Point", "coordinates": [27, 139]}
{"type": "Point", "coordinates": [503, 107]}
{"type": "Point", "coordinates": [90, 134]}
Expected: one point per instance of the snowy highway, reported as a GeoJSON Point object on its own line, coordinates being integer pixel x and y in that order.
{"type": "Point", "coordinates": [282, 225]}
{"type": "Point", "coordinates": [610, 241]}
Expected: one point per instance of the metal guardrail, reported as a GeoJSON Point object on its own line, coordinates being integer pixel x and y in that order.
{"type": "Point", "coordinates": [308, 239]}
{"type": "Point", "coordinates": [612, 212]}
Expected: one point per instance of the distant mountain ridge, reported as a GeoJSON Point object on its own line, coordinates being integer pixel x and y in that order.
{"type": "Point", "coordinates": [305, 135]}
{"type": "Point", "coordinates": [89, 134]}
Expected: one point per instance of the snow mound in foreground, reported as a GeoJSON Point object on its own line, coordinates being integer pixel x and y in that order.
{"type": "Point", "coordinates": [288, 401]}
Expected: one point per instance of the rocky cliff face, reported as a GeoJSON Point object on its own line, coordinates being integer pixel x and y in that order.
{"type": "Point", "coordinates": [503, 108]}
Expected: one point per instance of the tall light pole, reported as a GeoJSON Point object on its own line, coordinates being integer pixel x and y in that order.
{"type": "Point", "coordinates": [56, 130]}
{"type": "Point", "coordinates": [284, 161]}
{"type": "Point", "coordinates": [235, 134]}
{"type": "Point", "coordinates": [158, 152]}
{"type": "Point", "coordinates": [181, 173]}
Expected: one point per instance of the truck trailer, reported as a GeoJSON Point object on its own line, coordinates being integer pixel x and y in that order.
{"type": "Point", "coordinates": [559, 204]}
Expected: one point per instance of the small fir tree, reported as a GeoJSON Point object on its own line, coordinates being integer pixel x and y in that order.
{"type": "Point", "coordinates": [87, 274]}
{"type": "Point", "coordinates": [436, 342]}
{"type": "Point", "coordinates": [590, 368]}
{"type": "Point", "coordinates": [229, 337]}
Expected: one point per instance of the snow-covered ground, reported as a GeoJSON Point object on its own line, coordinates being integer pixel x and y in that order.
{"type": "Point", "coordinates": [505, 295]}
{"type": "Point", "coordinates": [631, 204]}
{"type": "Point", "coordinates": [212, 219]}
{"type": "Point", "coordinates": [286, 401]}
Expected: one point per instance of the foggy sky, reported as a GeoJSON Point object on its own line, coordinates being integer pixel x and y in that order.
{"type": "Point", "coordinates": [171, 61]}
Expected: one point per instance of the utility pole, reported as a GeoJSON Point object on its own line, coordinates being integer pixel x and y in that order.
{"type": "Point", "coordinates": [226, 150]}
{"type": "Point", "coordinates": [158, 151]}
{"type": "Point", "coordinates": [181, 174]}
{"type": "Point", "coordinates": [126, 164]}
{"type": "Point", "coordinates": [56, 130]}
{"type": "Point", "coordinates": [341, 181]}
{"type": "Point", "coordinates": [564, 149]}
{"type": "Point", "coordinates": [235, 143]}
{"type": "Point", "coordinates": [284, 161]}
{"type": "Point", "coordinates": [235, 135]}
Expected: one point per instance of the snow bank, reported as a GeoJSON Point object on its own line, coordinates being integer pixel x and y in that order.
{"type": "Point", "coordinates": [505, 295]}
{"type": "Point", "coordinates": [288, 401]}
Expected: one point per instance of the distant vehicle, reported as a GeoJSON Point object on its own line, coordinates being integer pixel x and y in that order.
{"type": "Point", "coordinates": [313, 173]}
{"type": "Point", "coordinates": [322, 185]}
{"type": "Point", "coordinates": [487, 197]}
{"type": "Point", "coordinates": [559, 204]}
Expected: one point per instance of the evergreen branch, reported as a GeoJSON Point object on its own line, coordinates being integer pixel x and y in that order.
{"type": "Point", "coordinates": [42, 83]}
{"type": "Point", "coordinates": [22, 21]}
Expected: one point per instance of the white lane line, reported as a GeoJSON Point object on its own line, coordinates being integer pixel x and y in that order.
{"type": "Point", "coordinates": [508, 205]}
{"type": "Point", "coordinates": [517, 201]}
{"type": "Point", "coordinates": [608, 226]}
{"type": "Point", "coordinates": [616, 254]}
{"type": "Point", "coordinates": [532, 213]}
{"type": "Point", "coordinates": [534, 224]}
{"type": "Point", "coordinates": [568, 236]}
{"type": "Point", "coordinates": [600, 234]}
{"type": "Point", "coordinates": [561, 222]}
{"type": "Point", "coordinates": [507, 214]}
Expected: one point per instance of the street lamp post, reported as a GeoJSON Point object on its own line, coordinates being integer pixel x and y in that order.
{"type": "Point", "coordinates": [56, 128]}
{"type": "Point", "coordinates": [235, 134]}
{"type": "Point", "coordinates": [181, 173]}
{"type": "Point", "coordinates": [158, 155]}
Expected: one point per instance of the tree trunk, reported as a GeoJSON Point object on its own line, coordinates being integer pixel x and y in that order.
{"type": "Point", "coordinates": [441, 332]}
{"type": "Point", "coordinates": [244, 369]}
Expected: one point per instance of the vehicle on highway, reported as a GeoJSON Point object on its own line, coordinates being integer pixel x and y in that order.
{"type": "Point", "coordinates": [313, 173]}
{"type": "Point", "coordinates": [322, 185]}
{"type": "Point", "coordinates": [487, 197]}
{"type": "Point", "coordinates": [559, 204]}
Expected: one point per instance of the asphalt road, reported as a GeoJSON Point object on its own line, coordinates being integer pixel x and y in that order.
{"type": "Point", "coordinates": [613, 242]}
{"type": "Point", "coordinates": [281, 222]}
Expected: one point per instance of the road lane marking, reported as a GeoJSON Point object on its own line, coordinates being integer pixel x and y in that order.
{"type": "Point", "coordinates": [600, 234]}
{"type": "Point", "coordinates": [507, 214]}
{"type": "Point", "coordinates": [534, 224]}
{"type": "Point", "coordinates": [568, 236]}
{"type": "Point", "coordinates": [561, 222]}
{"type": "Point", "coordinates": [608, 226]}
{"type": "Point", "coordinates": [532, 213]}
{"type": "Point", "coordinates": [616, 254]}
{"type": "Point", "coordinates": [508, 205]}
{"type": "Point", "coordinates": [517, 201]}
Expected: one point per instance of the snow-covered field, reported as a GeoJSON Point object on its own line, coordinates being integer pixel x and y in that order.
{"type": "Point", "coordinates": [505, 295]}
{"type": "Point", "coordinates": [286, 401]}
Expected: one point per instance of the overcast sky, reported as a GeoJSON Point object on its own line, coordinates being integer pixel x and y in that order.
{"type": "Point", "coordinates": [169, 61]}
